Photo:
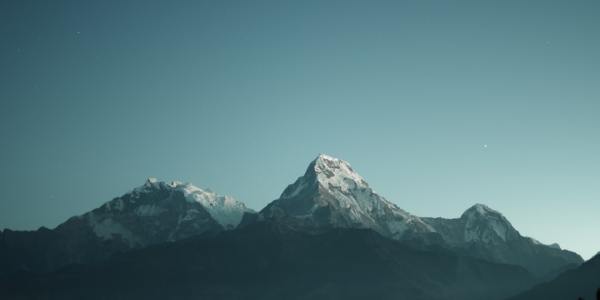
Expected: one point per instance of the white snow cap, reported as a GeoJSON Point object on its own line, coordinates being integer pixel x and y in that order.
{"type": "Point", "coordinates": [356, 199]}
{"type": "Point", "coordinates": [493, 220]}
{"type": "Point", "coordinates": [335, 172]}
{"type": "Point", "coordinates": [481, 209]}
{"type": "Point", "coordinates": [226, 210]}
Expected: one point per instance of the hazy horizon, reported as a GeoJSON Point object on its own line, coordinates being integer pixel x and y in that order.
{"type": "Point", "coordinates": [437, 105]}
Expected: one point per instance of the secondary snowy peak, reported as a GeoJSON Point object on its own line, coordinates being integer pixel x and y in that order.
{"type": "Point", "coordinates": [331, 193]}
{"type": "Point", "coordinates": [158, 211]}
{"type": "Point", "coordinates": [485, 233]}
{"type": "Point", "coordinates": [226, 210]}
{"type": "Point", "coordinates": [479, 210]}
{"type": "Point", "coordinates": [485, 224]}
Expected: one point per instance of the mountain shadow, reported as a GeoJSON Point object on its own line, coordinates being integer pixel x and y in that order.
{"type": "Point", "coordinates": [579, 282]}
{"type": "Point", "coordinates": [275, 261]}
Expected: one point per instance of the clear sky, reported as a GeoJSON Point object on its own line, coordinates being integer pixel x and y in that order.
{"type": "Point", "coordinates": [438, 104]}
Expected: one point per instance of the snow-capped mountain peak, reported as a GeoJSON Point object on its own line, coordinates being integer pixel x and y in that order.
{"type": "Point", "coordinates": [334, 172]}
{"type": "Point", "coordinates": [224, 209]}
{"type": "Point", "coordinates": [154, 184]}
{"type": "Point", "coordinates": [331, 193]}
{"type": "Point", "coordinates": [483, 223]}
{"type": "Point", "coordinates": [158, 211]}
{"type": "Point", "coordinates": [479, 210]}
{"type": "Point", "coordinates": [484, 232]}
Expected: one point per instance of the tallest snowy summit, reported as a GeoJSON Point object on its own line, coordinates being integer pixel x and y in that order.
{"type": "Point", "coordinates": [332, 194]}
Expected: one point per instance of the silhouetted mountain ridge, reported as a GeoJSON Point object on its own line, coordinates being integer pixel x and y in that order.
{"type": "Point", "coordinates": [582, 281]}
{"type": "Point", "coordinates": [271, 260]}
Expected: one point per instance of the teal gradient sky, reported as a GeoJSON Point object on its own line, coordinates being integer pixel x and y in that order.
{"type": "Point", "coordinates": [240, 96]}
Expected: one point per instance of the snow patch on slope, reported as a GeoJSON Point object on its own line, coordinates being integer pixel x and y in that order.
{"type": "Point", "coordinates": [224, 209]}
{"type": "Point", "coordinates": [485, 224]}
{"type": "Point", "coordinates": [108, 229]}
{"type": "Point", "coordinates": [149, 210]}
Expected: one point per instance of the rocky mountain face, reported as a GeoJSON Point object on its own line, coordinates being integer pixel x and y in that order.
{"type": "Point", "coordinates": [153, 213]}
{"type": "Point", "coordinates": [332, 194]}
{"type": "Point", "coordinates": [485, 233]}
{"type": "Point", "coordinates": [271, 260]}
{"type": "Point", "coordinates": [582, 282]}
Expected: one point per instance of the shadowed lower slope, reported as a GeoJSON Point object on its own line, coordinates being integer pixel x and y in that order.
{"type": "Point", "coordinates": [580, 282]}
{"type": "Point", "coordinates": [272, 261]}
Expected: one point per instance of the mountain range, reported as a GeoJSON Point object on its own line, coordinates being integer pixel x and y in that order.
{"type": "Point", "coordinates": [328, 228]}
{"type": "Point", "coordinates": [332, 194]}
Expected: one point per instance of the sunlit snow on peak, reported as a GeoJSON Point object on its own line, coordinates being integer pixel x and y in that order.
{"type": "Point", "coordinates": [224, 209]}
{"type": "Point", "coordinates": [335, 172]}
